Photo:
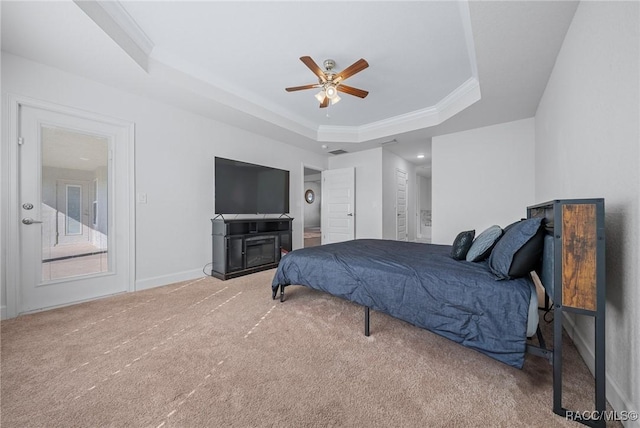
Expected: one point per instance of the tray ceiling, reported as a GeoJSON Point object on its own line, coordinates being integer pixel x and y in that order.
{"type": "Point", "coordinates": [435, 66]}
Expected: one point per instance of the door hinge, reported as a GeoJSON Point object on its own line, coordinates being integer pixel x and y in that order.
{"type": "Point", "coordinates": [20, 141]}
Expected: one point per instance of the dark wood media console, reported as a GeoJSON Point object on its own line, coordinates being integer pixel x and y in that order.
{"type": "Point", "coordinates": [241, 247]}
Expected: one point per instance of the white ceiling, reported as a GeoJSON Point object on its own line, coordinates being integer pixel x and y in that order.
{"type": "Point", "coordinates": [435, 66]}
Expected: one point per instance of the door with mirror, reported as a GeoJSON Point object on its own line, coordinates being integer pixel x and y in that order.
{"type": "Point", "coordinates": [73, 209]}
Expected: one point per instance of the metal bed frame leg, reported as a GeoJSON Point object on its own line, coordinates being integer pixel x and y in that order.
{"type": "Point", "coordinates": [557, 362]}
{"type": "Point", "coordinates": [540, 337]}
{"type": "Point", "coordinates": [600, 379]}
{"type": "Point", "coordinates": [601, 399]}
{"type": "Point", "coordinates": [366, 321]}
{"type": "Point", "coordinates": [274, 292]}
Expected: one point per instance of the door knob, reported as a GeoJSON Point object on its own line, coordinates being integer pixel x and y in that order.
{"type": "Point", "coordinates": [350, 215]}
{"type": "Point", "coordinates": [28, 220]}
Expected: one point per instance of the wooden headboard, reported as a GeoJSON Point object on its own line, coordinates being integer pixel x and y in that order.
{"type": "Point", "coordinates": [573, 275]}
{"type": "Point", "coordinates": [573, 230]}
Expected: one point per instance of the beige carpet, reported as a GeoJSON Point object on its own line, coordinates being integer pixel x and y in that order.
{"type": "Point", "coordinates": [211, 353]}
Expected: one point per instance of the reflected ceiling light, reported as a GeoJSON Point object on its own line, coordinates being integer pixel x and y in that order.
{"type": "Point", "coordinates": [420, 156]}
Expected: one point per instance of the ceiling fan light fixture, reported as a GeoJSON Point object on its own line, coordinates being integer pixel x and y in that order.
{"type": "Point", "coordinates": [331, 91]}
{"type": "Point", "coordinates": [329, 80]}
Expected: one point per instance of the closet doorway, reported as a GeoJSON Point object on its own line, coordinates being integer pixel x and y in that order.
{"type": "Point", "coordinates": [423, 196]}
{"type": "Point", "coordinates": [312, 188]}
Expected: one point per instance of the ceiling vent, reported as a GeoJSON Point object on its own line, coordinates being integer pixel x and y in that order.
{"type": "Point", "coordinates": [338, 152]}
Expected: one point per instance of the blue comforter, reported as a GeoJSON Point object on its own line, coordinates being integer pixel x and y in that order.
{"type": "Point", "coordinates": [423, 285]}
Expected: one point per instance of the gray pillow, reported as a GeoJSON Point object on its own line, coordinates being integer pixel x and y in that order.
{"type": "Point", "coordinates": [484, 243]}
{"type": "Point", "coordinates": [519, 250]}
{"type": "Point", "coordinates": [461, 244]}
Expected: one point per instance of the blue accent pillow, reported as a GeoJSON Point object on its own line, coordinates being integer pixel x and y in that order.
{"type": "Point", "coordinates": [519, 250]}
{"type": "Point", "coordinates": [462, 243]}
{"type": "Point", "coordinates": [484, 243]}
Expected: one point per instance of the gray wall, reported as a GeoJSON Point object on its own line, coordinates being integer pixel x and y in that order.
{"type": "Point", "coordinates": [587, 134]}
{"type": "Point", "coordinates": [481, 177]}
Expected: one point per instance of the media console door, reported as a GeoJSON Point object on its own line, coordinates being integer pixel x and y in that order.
{"type": "Point", "coordinates": [235, 256]}
{"type": "Point", "coordinates": [241, 247]}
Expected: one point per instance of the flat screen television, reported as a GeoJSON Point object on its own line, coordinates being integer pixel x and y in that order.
{"type": "Point", "coordinates": [245, 188]}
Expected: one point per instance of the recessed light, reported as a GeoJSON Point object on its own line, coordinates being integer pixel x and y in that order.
{"type": "Point", "coordinates": [420, 156]}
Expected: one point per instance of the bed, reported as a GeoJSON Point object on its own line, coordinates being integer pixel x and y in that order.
{"type": "Point", "coordinates": [468, 302]}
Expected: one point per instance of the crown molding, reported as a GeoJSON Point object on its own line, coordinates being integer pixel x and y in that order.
{"type": "Point", "coordinates": [462, 97]}
{"type": "Point", "coordinates": [112, 17]}
{"type": "Point", "coordinates": [204, 85]}
{"type": "Point", "coordinates": [120, 27]}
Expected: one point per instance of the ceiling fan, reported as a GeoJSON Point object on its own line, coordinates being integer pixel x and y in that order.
{"type": "Point", "coordinates": [330, 82]}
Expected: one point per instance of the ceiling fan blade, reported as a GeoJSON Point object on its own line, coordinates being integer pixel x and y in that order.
{"type": "Point", "coordinates": [352, 91]}
{"type": "Point", "coordinates": [354, 68]}
{"type": "Point", "coordinates": [324, 102]}
{"type": "Point", "coordinates": [314, 67]}
{"type": "Point", "coordinates": [300, 88]}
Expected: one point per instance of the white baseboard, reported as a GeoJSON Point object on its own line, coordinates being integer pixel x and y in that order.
{"type": "Point", "coordinates": [140, 285]}
{"type": "Point", "coordinates": [158, 281]}
{"type": "Point", "coordinates": [619, 402]}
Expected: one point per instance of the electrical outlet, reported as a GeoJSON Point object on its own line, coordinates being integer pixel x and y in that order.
{"type": "Point", "coordinates": [142, 198]}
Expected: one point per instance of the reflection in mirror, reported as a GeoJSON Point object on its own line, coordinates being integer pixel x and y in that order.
{"type": "Point", "coordinates": [75, 177]}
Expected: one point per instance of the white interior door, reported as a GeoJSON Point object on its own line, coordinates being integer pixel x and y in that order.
{"type": "Point", "coordinates": [71, 250]}
{"type": "Point", "coordinates": [338, 205]}
{"type": "Point", "coordinates": [401, 205]}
